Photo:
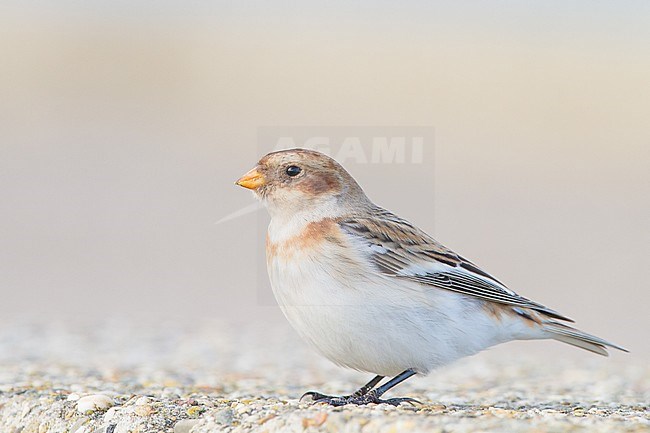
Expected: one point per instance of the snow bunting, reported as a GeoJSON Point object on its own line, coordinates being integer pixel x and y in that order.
{"type": "Point", "coordinates": [370, 291]}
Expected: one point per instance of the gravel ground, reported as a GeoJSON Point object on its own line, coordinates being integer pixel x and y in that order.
{"type": "Point", "coordinates": [118, 378]}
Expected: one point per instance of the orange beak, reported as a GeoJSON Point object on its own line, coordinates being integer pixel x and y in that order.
{"type": "Point", "coordinates": [251, 180]}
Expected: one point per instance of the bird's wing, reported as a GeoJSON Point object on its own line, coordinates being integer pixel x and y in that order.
{"type": "Point", "coordinates": [399, 249]}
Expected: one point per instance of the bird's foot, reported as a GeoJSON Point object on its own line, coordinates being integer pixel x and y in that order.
{"type": "Point", "coordinates": [358, 399]}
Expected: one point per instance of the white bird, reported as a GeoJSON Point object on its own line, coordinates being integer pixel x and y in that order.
{"type": "Point", "coordinates": [371, 291]}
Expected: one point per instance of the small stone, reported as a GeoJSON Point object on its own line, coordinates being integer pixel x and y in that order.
{"type": "Point", "coordinates": [185, 425]}
{"type": "Point", "coordinates": [241, 408]}
{"type": "Point", "coordinates": [143, 409]}
{"type": "Point", "coordinates": [500, 413]}
{"type": "Point", "coordinates": [78, 424]}
{"type": "Point", "coordinates": [92, 403]}
{"type": "Point", "coordinates": [194, 411]}
{"type": "Point", "coordinates": [266, 418]}
{"type": "Point", "coordinates": [224, 416]}
{"type": "Point", "coordinates": [110, 414]}
{"type": "Point", "coordinates": [142, 401]}
{"type": "Point", "coordinates": [316, 421]}
{"type": "Point", "coordinates": [74, 397]}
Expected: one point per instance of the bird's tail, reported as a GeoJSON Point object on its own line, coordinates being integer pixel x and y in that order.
{"type": "Point", "coordinates": [575, 337]}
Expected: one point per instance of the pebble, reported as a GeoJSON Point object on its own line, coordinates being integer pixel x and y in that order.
{"type": "Point", "coordinates": [110, 414]}
{"type": "Point", "coordinates": [141, 401]}
{"type": "Point", "coordinates": [224, 416]}
{"type": "Point", "coordinates": [254, 385]}
{"type": "Point", "coordinates": [185, 425]}
{"type": "Point", "coordinates": [315, 421]}
{"type": "Point", "coordinates": [78, 424]}
{"type": "Point", "coordinates": [94, 402]}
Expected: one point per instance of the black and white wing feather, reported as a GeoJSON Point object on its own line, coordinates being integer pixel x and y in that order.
{"type": "Point", "coordinates": [400, 250]}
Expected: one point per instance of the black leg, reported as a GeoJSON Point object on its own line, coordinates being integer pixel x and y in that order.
{"type": "Point", "coordinates": [366, 394]}
{"type": "Point", "coordinates": [394, 382]}
{"type": "Point", "coordinates": [318, 397]}
{"type": "Point", "coordinates": [368, 386]}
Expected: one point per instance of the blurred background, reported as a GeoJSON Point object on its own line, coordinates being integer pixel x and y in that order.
{"type": "Point", "coordinates": [123, 125]}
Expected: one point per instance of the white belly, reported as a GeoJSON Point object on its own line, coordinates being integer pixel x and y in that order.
{"type": "Point", "coordinates": [376, 324]}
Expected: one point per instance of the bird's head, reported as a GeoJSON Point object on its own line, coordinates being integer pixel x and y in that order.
{"type": "Point", "coordinates": [302, 181]}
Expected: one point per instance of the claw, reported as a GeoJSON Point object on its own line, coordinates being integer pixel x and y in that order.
{"type": "Point", "coordinates": [398, 401]}
{"type": "Point", "coordinates": [313, 396]}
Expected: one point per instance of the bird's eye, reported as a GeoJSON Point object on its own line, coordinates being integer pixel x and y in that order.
{"type": "Point", "coordinates": [293, 170]}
